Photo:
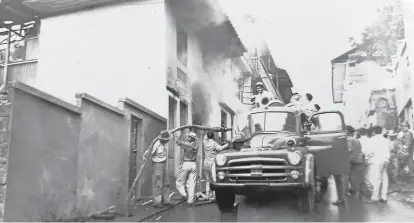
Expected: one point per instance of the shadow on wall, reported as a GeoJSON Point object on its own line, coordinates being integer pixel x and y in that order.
{"type": "Point", "coordinates": [67, 161]}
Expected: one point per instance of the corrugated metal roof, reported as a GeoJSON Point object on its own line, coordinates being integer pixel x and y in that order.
{"type": "Point", "coordinates": [12, 12]}
{"type": "Point", "coordinates": [54, 7]}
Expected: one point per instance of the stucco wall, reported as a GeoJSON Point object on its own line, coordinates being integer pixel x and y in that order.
{"type": "Point", "coordinates": [102, 157]}
{"type": "Point", "coordinates": [41, 182]}
{"type": "Point", "coordinates": [110, 52]}
{"type": "Point", "coordinates": [68, 161]}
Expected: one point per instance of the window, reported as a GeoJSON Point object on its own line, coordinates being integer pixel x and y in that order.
{"type": "Point", "coordinates": [182, 76]}
{"type": "Point", "coordinates": [182, 46]}
{"type": "Point", "coordinates": [273, 122]}
{"type": "Point", "coordinates": [183, 113]}
{"type": "Point", "coordinates": [326, 122]}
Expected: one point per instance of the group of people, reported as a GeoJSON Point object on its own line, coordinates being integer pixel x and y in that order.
{"type": "Point", "coordinates": [377, 157]}
{"type": "Point", "coordinates": [187, 174]}
{"type": "Point", "coordinates": [307, 105]}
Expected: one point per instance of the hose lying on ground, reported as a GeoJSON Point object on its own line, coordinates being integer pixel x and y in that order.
{"type": "Point", "coordinates": [148, 154]}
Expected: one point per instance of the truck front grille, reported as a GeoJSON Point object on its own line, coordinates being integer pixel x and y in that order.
{"type": "Point", "coordinates": [258, 170]}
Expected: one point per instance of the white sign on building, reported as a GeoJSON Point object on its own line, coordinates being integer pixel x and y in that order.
{"type": "Point", "coordinates": [338, 77]}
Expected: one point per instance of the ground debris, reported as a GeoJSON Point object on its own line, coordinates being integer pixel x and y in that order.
{"type": "Point", "coordinates": [403, 190]}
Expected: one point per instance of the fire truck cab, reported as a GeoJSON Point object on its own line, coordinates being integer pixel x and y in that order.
{"type": "Point", "coordinates": [276, 148]}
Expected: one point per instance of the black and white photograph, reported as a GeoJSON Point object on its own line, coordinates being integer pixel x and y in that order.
{"type": "Point", "coordinates": [206, 111]}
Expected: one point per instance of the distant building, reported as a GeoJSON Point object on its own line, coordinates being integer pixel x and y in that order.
{"type": "Point", "coordinates": [354, 81]}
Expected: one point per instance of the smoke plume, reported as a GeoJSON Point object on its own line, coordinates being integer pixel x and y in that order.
{"type": "Point", "coordinates": [201, 103]}
{"type": "Point", "coordinates": [214, 86]}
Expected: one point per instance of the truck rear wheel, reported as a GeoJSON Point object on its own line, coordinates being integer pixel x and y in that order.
{"type": "Point", "coordinates": [225, 199]}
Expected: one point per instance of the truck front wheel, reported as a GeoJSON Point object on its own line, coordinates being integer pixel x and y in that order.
{"type": "Point", "coordinates": [225, 199]}
{"type": "Point", "coordinates": [308, 200]}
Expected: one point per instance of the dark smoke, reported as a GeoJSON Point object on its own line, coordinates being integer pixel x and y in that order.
{"type": "Point", "coordinates": [201, 104]}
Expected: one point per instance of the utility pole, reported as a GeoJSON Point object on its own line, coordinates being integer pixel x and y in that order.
{"type": "Point", "coordinates": [6, 63]}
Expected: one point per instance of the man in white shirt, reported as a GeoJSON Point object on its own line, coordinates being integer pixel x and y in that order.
{"type": "Point", "coordinates": [363, 138]}
{"type": "Point", "coordinates": [295, 101]}
{"type": "Point", "coordinates": [211, 148]}
{"type": "Point", "coordinates": [261, 94]}
{"type": "Point", "coordinates": [160, 181]}
{"type": "Point", "coordinates": [309, 105]}
{"type": "Point", "coordinates": [377, 157]}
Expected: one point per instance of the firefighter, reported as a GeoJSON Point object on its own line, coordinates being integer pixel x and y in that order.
{"type": "Point", "coordinates": [160, 179]}
{"type": "Point", "coordinates": [187, 173]}
{"type": "Point", "coordinates": [261, 94]}
{"type": "Point", "coordinates": [211, 148]}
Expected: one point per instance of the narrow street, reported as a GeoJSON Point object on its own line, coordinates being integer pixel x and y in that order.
{"type": "Point", "coordinates": [283, 208]}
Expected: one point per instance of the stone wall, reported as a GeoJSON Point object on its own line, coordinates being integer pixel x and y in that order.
{"type": "Point", "coordinates": [5, 111]}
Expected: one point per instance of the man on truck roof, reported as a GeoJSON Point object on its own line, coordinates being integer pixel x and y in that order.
{"type": "Point", "coordinates": [262, 93]}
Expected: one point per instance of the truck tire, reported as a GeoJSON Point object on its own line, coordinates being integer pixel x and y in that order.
{"type": "Point", "coordinates": [225, 199]}
{"type": "Point", "coordinates": [308, 200]}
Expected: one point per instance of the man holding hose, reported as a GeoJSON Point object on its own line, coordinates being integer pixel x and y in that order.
{"type": "Point", "coordinates": [187, 174]}
{"type": "Point", "coordinates": [211, 148]}
{"type": "Point", "coordinates": [160, 181]}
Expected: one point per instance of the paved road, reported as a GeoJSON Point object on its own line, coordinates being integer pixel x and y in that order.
{"type": "Point", "coordinates": [284, 208]}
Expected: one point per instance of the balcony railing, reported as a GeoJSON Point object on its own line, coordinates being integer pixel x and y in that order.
{"type": "Point", "coordinates": [24, 71]}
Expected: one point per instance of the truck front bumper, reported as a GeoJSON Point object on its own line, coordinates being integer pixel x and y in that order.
{"type": "Point", "coordinates": [216, 185]}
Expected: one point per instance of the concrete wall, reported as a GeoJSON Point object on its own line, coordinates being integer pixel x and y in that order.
{"type": "Point", "coordinates": [110, 52]}
{"type": "Point", "coordinates": [67, 161]}
{"type": "Point", "coordinates": [41, 182]}
{"type": "Point", "coordinates": [103, 152]}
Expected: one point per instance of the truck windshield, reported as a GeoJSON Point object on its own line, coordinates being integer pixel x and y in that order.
{"type": "Point", "coordinates": [273, 122]}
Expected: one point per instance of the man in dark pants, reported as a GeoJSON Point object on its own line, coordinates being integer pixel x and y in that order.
{"type": "Point", "coordinates": [356, 158]}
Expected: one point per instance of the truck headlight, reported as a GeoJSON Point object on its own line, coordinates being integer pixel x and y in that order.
{"type": "Point", "coordinates": [294, 174]}
{"type": "Point", "coordinates": [220, 175]}
{"type": "Point", "coordinates": [294, 157]}
{"type": "Point", "coordinates": [221, 160]}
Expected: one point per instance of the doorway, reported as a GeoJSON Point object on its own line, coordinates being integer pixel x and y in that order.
{"type": "Point", "coordinates": [135, 132]}
{"type": "Point", "coordinates": [172, 153]}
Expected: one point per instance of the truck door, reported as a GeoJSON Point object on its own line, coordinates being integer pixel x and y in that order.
{"type": "Point", "coordinates": [328, 134]}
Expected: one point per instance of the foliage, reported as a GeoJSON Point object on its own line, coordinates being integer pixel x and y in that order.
{"type": "Point", "coordinates": [379, 40]}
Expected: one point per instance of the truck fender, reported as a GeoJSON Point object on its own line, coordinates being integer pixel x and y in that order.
{"type": "Point", "coordinates": [309, 169]}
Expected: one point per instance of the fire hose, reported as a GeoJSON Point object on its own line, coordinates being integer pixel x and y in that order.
{"type": "Point", "coordinates": [148, 154]}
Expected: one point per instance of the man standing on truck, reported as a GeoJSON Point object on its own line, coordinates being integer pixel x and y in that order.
{"type": "Point", "coordinates": [261, 94]}
{"type": "Point", "coordinates": [187, 173]}
{"type": "Point", "coordinates": [211, 148]}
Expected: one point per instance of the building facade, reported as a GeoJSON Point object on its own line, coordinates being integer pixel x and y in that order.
{"type": "Point", "coordinates": [355, 83]}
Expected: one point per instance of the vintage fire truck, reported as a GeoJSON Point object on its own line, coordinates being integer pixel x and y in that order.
{"type": "Point", "coordinates": [276, 148]}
